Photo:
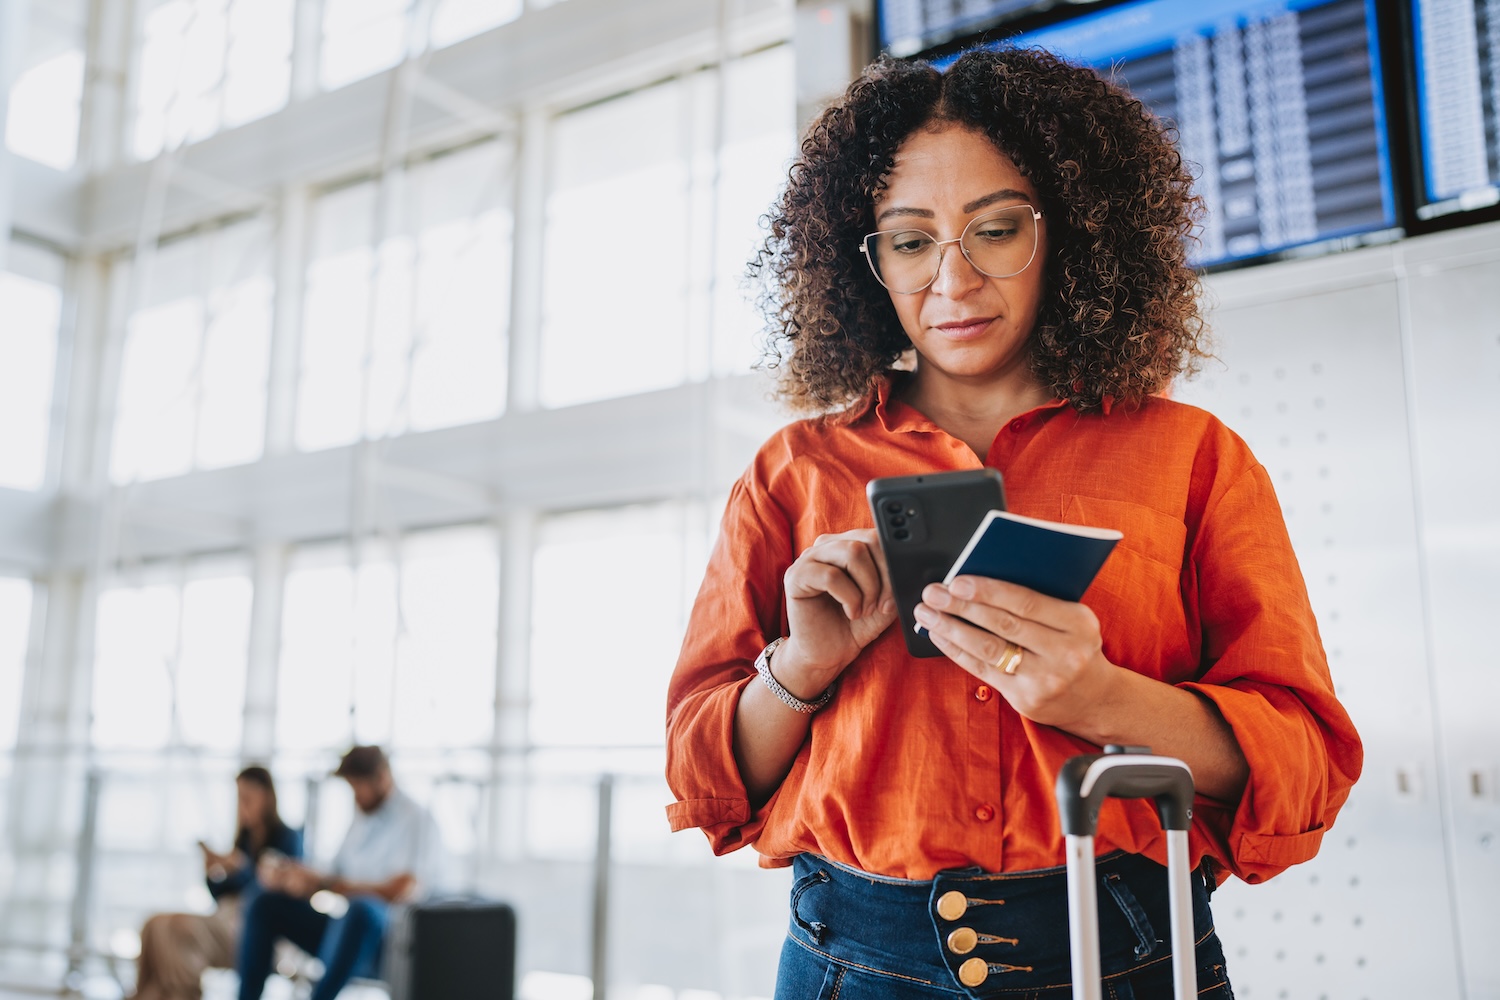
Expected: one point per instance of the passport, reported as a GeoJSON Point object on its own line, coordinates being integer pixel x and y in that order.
{"type": "Point", "coordinates": [1056, 559]}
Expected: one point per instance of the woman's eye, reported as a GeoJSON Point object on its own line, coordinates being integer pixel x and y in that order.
{"type": "Point", "coordinates": [997, 233]}
{"type": "Point", "coordinates": [910, 242]}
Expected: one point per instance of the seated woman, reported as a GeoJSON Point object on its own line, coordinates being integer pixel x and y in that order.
{"type": "Point", "coordinates": [177, 947]}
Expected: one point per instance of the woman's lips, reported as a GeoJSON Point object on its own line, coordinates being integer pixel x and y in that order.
{"type": "Point", "coordinates": [965, 329]}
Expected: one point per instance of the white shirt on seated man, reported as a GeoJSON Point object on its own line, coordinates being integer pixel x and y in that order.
{"type": "Point", "coordinates": [392, 854]}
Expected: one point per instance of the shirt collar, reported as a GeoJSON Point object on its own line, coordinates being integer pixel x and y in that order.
{"type": "Point", "coordinates": [898, 418]}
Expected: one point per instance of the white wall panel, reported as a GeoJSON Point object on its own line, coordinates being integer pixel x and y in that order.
{"type": "Point", "coordinates": [1313, 378]}
{"type": "Point", "coordinates": [1455, 362]}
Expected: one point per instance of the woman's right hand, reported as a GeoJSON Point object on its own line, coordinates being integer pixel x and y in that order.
{"type": "Point", "coordinates": [838, 599]}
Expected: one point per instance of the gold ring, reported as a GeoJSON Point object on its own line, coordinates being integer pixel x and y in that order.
{"type": "Point", "coordinates": [1010, 659]}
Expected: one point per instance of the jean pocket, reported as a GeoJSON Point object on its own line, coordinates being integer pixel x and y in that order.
{"type": "Point", "coordinates": [807, 975]}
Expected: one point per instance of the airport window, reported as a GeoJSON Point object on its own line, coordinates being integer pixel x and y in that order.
{"type": "Point", "coordinates": [197, 350]}
{"type": "Point", "coordinates": [361, 38]}
{"type": "Point", "coordinates": [629, 333]}
{"type": "Point", "coordinates": [682, 201]}
{"type": "Point", "coordinates": [42, 118]}
{"type": "Point", "coordinates": [15, 621]}
{"type": "Point", "coordinates": [388, 650]}
{"type": "Point", "coordinates": [31, 302]}
{"type": "Point", "coordinates": [627, 572]}
{"type": "Point", "coordinates": [760, 136]}
{"type": "Point", "coordinates": [455, 20]}
{"type": "Point", "coordinates": [205, 65]}
{"type": "Point", "coordinates": [410, 333]}
{"type": "Point", "coordinates": [169, 667]}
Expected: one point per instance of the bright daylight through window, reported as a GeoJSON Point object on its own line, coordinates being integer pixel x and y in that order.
{"type": "Point", "coordinates": [15, 621]}
{"type": "Point", "coordinates": [206, 65]}
{"type": "Point", "coordinates": [674, 267]}
{"type": "Point", "coordinates": [409, 334]}
{"type": "Point", "coordinates": [170, 656]}
{"type": "Point", "coordinates": [31, 303]}
{"type": "Point", "coordinates": [197, 348]}
{"type": "Point", "coordinates": [395, 647]}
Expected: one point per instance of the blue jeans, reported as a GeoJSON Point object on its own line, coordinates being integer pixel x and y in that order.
{"type": "Point", "coordinates": [856, 936]}
{"type": "Point", "coordinates": [348, 947]}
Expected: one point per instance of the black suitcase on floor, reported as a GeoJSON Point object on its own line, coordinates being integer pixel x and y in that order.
{"type": "Point", "coordinates": [460, 949]}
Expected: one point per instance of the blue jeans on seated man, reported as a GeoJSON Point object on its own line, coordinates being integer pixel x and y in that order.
{"type": "Point", "coordinates": [348, 946]}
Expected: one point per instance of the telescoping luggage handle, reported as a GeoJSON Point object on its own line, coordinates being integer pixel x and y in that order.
{"type": "Point", "coordinates": [1082, 786]}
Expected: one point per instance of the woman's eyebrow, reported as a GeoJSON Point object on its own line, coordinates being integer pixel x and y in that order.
{"type": "Point", "coordinates": [1004, 194]}
{"type": "Point", "coordinates": [920, 213]}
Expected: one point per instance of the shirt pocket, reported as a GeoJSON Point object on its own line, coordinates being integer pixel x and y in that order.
{"type": "Point", "coordinates": [1138, 592]}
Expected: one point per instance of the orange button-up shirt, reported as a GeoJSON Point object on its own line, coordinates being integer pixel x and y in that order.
{"type": "Point", "coordinates": [915, 766]}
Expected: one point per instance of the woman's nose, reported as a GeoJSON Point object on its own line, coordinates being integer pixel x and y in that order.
{"type": "Point", "coordinates": [956, 277]}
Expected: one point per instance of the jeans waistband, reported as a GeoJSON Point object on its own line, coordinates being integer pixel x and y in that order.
{"type": "Point", "coordinates": [984, 934]}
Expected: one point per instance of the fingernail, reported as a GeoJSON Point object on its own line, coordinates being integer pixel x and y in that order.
{"type": "Point", "coordinates": [962, 587]}
{"type": "Point", "coordinates": [889, 607]}
{"type": "Point", "coordinates": [935, 595]}
{"type": "Point", "coordinates": [924, 615]}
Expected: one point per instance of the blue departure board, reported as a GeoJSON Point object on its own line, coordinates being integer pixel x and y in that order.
{"type": "Point", "coordinates": [909, 26]}
{"type": "Point", "coordinates": [1278, 104]}
{"type": "Point", "coordinates": [1456, 44]}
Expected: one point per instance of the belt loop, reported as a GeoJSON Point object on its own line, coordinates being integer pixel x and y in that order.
{"type": "Point", "coordinates": [1206, 871]}
{"type": "Point", "coordinates": [816, 928]}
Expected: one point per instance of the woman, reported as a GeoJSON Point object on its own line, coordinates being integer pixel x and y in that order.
{"type": "Point", "coordinates": [1011, 231]}
{"type": "Point", "coordinates": [177, 947]}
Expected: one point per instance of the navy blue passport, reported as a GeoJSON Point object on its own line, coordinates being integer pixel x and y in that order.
{"type": "Point", "coordinates": [1059, 560]}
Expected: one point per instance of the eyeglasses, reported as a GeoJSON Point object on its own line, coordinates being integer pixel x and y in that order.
{"type": "Point", "coordinates": [998, 244]}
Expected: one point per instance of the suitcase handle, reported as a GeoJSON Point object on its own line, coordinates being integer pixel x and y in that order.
{"type": "Point", "coordinates": [1123, 773]}
{"type": "Point", "coordinates": [1082, 786]}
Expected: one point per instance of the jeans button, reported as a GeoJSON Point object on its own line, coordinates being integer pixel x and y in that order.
{"type": "Point", "coordinates": [962, 941]}
{"type": "Point", "coordinates": [951, 905]}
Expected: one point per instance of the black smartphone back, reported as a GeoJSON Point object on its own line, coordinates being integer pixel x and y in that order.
{"type": "Point", "coordinates": [924, 523]}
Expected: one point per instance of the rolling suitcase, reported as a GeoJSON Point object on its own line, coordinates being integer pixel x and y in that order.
{"type": "Point", "coordinates": [1082, 786]}
{"type": "Point", "coordinates": [461, 949]}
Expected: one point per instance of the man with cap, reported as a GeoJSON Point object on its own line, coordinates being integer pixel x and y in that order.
{"type": "Point", "coordinates": [392, 854]}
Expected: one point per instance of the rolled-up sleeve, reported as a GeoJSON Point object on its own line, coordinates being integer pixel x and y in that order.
{"type": "Point", "coordinates": [1268, 675]}
{"type": "Point", "coordinates": [738, 610]}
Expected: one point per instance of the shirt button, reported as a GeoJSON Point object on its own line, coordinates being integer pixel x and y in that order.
{"type": "Point", "coordinates": [1018, 425]}
{"type": "Point", "coordinates": [982, 693]}
{"type": "Point", "coordinates": [984, 813]}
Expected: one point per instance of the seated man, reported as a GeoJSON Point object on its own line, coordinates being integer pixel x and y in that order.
{"type": "Point", "coordinates": [391, 854]}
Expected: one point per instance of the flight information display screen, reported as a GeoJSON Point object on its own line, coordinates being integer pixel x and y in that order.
{"type": "Point", "coordinates": [1278, 105]}
{"type": "Point", "coordinates": [909, 26]}
{"type": "Point", "coordinates": [1457, 49]}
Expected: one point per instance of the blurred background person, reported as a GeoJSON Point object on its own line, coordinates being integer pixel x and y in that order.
{"type": "Point", "coordinates": [176, 948]}
{"type": "Point", "coordinates": [393, 853]}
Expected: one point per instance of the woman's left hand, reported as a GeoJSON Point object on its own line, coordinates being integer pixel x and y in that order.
{"type": "Point", "coordinates": [1063, 676]}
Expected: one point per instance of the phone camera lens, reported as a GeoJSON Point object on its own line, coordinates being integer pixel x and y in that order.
{"type": "Point", "coordinates": [897, 521]}
{"type": "Point", "coordinates": [894, 506]}
{"type": "Point", "coordinates": [901, 534]}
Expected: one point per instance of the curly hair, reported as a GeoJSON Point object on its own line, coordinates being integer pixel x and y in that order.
{"type": "Point", "coordinates": [1120, 316]}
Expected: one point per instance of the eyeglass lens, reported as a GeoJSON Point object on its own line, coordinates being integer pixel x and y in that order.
{"type": "Point", "coordinates": [998, 244]}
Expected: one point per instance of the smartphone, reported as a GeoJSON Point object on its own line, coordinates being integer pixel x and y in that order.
{"type": "Point", "coordinates": [924, 523]}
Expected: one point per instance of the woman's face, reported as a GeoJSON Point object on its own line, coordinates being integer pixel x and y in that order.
{"type": "Point", "coordinates": [253, 800]}
{"type": "Point", "coordinates": [966, 325]}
